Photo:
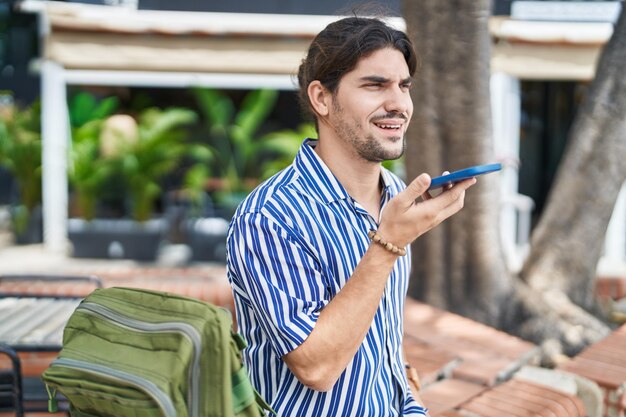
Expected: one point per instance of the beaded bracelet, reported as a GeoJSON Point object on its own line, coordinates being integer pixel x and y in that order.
{"type": "Point", "coordinates": [387, 245]}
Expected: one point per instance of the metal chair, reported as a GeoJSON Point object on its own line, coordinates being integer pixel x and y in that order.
{"type": "Point", "coordinates": [23, 394]}
{"type": "Point", "coordinates": [18, 393]}
{"type": "Point", "coordinates": [11, 383]}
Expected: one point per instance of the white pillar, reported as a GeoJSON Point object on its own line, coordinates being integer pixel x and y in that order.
{"type": "Point", "coordinates": [506, 109]}
{"type": "Point", "coordinates": [615, 240]}
{"type": "Point", "coordinates": [55, 135]}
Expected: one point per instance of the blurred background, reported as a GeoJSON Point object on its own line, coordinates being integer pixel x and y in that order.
{"type": "Point", "coordinates": [160, 116]}
{"type": "Point", "coordinates": [131, 129]}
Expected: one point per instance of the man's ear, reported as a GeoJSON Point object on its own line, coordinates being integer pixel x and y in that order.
{"type": "Point", "coordinates": [319, 97]}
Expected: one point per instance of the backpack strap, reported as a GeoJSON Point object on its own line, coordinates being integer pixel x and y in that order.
{"type": "Point", "coordinates": [263, 405]}
{"type": "Point", "coordinates": [244, 393]}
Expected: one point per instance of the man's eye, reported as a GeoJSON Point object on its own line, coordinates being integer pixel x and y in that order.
{"type": "Point", "coordinates": [406, 86]}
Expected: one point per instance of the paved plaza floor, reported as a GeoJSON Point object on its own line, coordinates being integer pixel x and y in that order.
{"type": "Point", "coordinates": [170, 272]}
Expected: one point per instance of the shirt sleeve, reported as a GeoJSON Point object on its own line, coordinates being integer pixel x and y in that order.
{"type": "Point", "coordinates": [415, 410]}
{"type": "Point", "coordinates": [278, 277]}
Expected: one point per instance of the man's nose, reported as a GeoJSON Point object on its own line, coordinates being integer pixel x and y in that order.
{"type": "Point", "coordinates": [398, 100]}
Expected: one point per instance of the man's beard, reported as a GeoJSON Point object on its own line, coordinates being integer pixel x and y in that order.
{"type": "Point", "coordinates": [371, 150]}
{"type": "Point", "coordinates": [368, 148]}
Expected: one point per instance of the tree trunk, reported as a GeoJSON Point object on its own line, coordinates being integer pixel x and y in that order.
{"type": "Point", "coordinates": [459, 266]}
{"type": "Point", "coordinates": [568, 241]}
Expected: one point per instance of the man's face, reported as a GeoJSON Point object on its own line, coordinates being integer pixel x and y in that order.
{"type": "Point", "coordinates": [372, 106]}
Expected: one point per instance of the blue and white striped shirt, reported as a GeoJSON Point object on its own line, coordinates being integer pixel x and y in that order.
{"type": "Point", "coordinates": [292, 245]}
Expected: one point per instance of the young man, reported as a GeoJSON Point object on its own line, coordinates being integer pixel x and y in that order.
{"type": "Point", "coordinates": [317, 254]}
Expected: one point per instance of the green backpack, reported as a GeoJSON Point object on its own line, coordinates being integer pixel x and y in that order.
{"type": "Point", "coordinates": [131, 352]}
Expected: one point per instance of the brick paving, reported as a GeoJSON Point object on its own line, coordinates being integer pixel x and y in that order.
{"type": "Point", "coordinates": [605, 364]}
{"type": "Point", "coordinates": [485, 355]}
{"type": "Point", "coordinates": [465, 366]}
{"type": "Point", "coordinates": [447, 394]}
{"type": "Point", "coordinates": [516, 398]}
{"type": "Point", "coordinates": [611, 286]}
{"type": "Point", "coordinates": [205, 281]}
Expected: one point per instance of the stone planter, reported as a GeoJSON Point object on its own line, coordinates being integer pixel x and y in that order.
{"type": "Point", "coordinates": [207, 239]}
{"type": "Point", "coordinates": [116, 238]}
{"type": "Point", "coordinates": [6, 185]}
{"type": "Point", "coordinates": [31, 232]}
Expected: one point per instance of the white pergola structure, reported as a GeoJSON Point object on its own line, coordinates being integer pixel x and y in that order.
{"type": "Point", "coordinates": [115, 46]}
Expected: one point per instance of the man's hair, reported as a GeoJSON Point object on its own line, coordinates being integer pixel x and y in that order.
{"type": "Point", "coordinates": [337, 49]}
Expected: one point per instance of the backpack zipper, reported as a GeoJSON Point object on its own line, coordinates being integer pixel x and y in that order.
{"type": "Point", "coordinates": [185, 329]}
{"type": "Point", "coordinates": [164, 402]}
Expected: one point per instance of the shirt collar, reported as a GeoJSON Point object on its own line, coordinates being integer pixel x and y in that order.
{"type": "Point", "coordinates": [387, 180]}
{"type": "Point", "coordinates": [319, 181]}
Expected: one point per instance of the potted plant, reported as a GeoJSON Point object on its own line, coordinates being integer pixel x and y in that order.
{"type": "Point", "coordinates": [232, 135]}
{"type": "Point", "coordinates": [88, 173]}
{"type": "Point", "coordinates": [134, 155]}
{"type": "Point", "coordinates": [243, 157]}
{"type": "Point", "coordinates": [20, 155]}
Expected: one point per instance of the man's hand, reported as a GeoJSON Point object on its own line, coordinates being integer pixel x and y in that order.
{"type": "Point", "coordinates": [405, 218]}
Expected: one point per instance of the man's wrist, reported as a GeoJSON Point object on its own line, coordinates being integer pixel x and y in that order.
{"type": "Point", "coordinates": [389, 246]}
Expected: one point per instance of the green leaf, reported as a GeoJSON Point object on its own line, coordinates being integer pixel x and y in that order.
{"type": "Point", "coordinates": [130, 164]}
{"type": "Point", "coordinates": [255, 108]}
{"type": "Point", "coordinates": [105, 108]}
{"type": "Point", "coordinates": [217, 108]}
{"type": "Point", "coordinates": [84, 108]}
{"type": "Point", "coordinates": [195, 181]}
{"type": "Point", "coordinates": [88, 132]}
{"type": "Point", "coordinates": [81, 107]}
{"type": "Point", "coordinates": [155, 123]}
{"type": "Point", "coordinates": [200, 153]}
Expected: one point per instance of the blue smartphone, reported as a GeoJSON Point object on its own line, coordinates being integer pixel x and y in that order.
{"type": "Point", "coordinates": [463, 174]}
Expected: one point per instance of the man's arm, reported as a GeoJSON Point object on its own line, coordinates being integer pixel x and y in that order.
{"type": "Point", "coordinates": [343, 324]}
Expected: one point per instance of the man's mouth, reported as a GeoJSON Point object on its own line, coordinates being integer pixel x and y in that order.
{"type": "Point", "coordinates": [388, 126]}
